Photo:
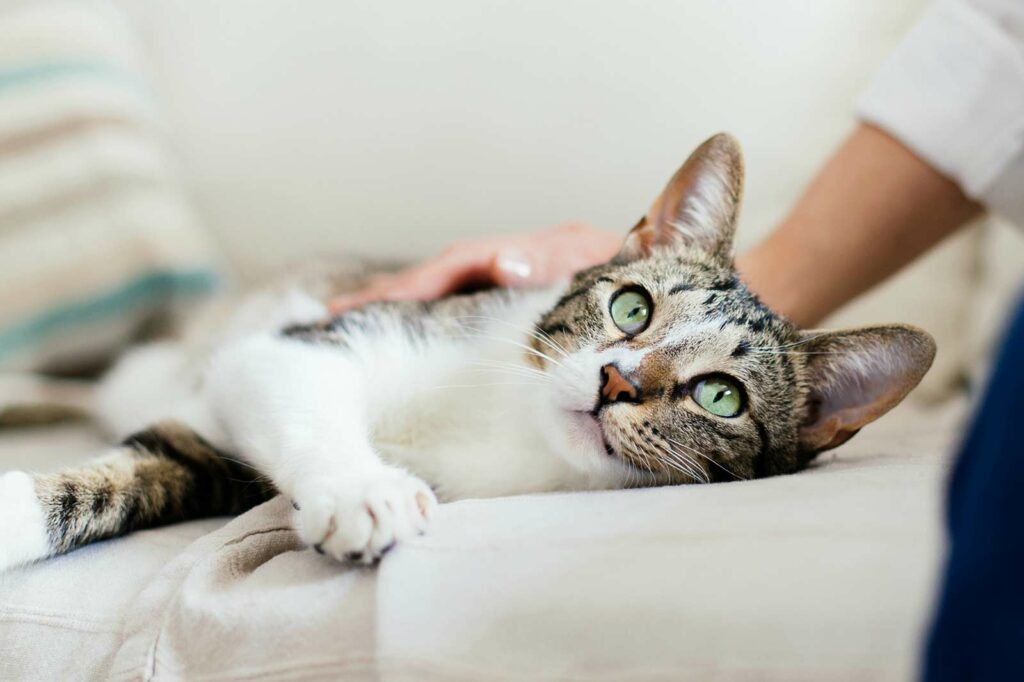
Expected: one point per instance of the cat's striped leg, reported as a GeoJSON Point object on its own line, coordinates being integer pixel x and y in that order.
{"type": "Point", "coordinates": [162, 475]}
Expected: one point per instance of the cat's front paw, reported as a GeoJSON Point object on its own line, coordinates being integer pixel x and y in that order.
{"type": "Point", "coordinates": [360, 516]}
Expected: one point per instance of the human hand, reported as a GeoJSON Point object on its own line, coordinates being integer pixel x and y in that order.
{"type": "Point", "coordinates": [518, 260]}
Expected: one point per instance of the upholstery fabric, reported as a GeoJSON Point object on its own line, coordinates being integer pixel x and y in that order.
{"type": "Point", "coordinates": [95, 235]}
{"type": "Point", "coordinates": [823, 575]}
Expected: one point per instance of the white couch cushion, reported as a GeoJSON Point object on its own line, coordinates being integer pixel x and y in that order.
{"type": "Point", "coordinates": [824, 575]}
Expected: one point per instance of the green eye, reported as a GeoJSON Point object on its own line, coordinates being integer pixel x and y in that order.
{"type": "Point", "coordinates": [631, 310]}
{"type": "Point", "coordinates": [719, 396]}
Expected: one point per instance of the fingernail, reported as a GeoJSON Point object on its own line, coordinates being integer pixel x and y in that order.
{"type": "Point", "coordinates": [514, 267]}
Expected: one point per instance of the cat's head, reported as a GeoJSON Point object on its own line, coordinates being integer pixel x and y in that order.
{"type": "Point", "coordinates": [668, 370]}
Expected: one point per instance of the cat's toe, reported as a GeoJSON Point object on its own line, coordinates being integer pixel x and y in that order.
{"type": "Point", "coordinates": [359, 519]}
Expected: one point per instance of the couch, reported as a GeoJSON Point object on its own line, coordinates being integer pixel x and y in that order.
{"type": "Point", "coordinates": [390, 129]}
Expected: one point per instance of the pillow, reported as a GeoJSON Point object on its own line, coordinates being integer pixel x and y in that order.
{"type": "Point", "coordinates": [96, 238]}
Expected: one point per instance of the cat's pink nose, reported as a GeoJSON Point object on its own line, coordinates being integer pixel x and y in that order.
{"type": "Point", "coordinates": [617, 388]}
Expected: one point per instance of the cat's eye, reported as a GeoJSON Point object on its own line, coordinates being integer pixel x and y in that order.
{"type": "Point", "coordinates": [631, 310]}
{"type": "Point", "coordinates": [719, 395]}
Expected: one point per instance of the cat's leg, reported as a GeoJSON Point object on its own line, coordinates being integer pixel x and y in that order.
{"type": "Point", "coordinates": [299, 413]}
{"type": "Point", "coordinates": [162, 475]}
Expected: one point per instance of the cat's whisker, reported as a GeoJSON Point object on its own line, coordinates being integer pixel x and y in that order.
{"type": "Point", "coordinates": [639, 468]}
{"type": "Point", "coordinates": [709, 459]}
{"type": "Point", "coordinates": [798, 352]}
{"type": "Point", "coordinates": [517, 344]}
{"type": "Point", "coordinates": [511, 366]}
{"type": "Point", "coordinates": [538, 378]}
{"type": "Point", "coordinates": [487, 385]}
{"type": "Point", "coordinates": [787, 345]}
{"type": "Point", "coordinates": [689, 466]}
{"type": "Point", "coordinates": [648, 458]}
{"type": "Point", "coordinates": [676, 465]}
{"type": "Point", "coordinates": [532, 333]}
{"type": "Point", "coordinates": [538, 334]}
{"type": "Point", "coordinates": [546, 338]}
{"type": "Point", "coordinates": [697, 471]}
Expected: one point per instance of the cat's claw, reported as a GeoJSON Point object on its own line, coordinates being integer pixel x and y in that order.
{"type": "Point", "coordinates": [359, 517]}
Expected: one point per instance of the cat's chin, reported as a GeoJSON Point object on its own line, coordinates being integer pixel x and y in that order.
{"type": "Point", "coordinates": [574, 436]}
{"type": "Point", "coordinates": [588, 450]}
{"type": "Point", "coordinates": [590, 431]}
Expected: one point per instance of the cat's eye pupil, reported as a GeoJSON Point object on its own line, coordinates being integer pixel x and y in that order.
{"type": "Point", "coordinates": [631, 310]}
{"type": "Point", "coordinates": [719, 395]}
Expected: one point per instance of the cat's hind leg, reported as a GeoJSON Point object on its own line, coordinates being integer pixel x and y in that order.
{"type": "Point", "coordinates": [164, 474]}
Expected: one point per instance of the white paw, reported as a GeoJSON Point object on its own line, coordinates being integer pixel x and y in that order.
{"type": "Point", "coordinates": [23, 536]}
{"type": "Point", "coordinates": [360, 516]}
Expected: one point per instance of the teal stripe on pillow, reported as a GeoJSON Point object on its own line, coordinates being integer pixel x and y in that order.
{"type": "Point", "coordinates": [32, 73]}
{"type": "Point", "coordinates": [146, 291]}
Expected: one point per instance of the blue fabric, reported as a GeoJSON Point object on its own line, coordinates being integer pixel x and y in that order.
{"type": "Point", "coordinates": [49, 70]}
{"type": "Point", "coordinates": [149, 290]}
{"type": "Point", "coordinates": [978, 633]}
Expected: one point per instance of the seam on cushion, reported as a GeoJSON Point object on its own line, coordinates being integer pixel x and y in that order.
{"type": "Point", "coordinates": [148, 666]}
{"type": "Point", "coordinates": [261, 531]}
{"type": "Point", "coordinates": [438, 670]}
{"type": "Point", "coordinates": [63, 622]}
{"type": "Point", "coordinates": [16, 610]}
{"type": "Point", "coordinates": [154, 651]}
{"type": "Point", "coordinates": [708, 538]}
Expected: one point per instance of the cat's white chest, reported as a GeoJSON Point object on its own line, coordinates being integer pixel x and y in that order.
{"type": "Point", "coordinates": [470, 431]}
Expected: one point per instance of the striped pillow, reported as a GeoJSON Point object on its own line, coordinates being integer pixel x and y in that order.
{"type": "Point", "coordinates": [96, 238]}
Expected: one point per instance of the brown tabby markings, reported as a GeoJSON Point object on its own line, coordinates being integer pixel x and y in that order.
{"type": "Point", "coordinates": [804, 391]}
{"type": "Point", "coordinates": [162, 475]}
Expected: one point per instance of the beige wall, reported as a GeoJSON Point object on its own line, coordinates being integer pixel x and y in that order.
{"type": "Point", "coordinates": [394, 127]}
{"type": "Point", "coordinates": [397, 126]}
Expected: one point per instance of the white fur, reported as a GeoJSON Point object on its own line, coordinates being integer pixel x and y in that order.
{"type": "Point", "coordinates": [354, 434]}
{"type": "Point", "coordinates": [361, 436]}
{"type": "Point", "coordinates": [705, 210]}
{"type": "Point", "coordinates": [23, 536]}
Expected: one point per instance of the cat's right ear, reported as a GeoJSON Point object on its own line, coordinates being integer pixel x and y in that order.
{"type": "Point", "coordinates": [698, 207]}
{"type": "Point", "coordinates": [854, 376]}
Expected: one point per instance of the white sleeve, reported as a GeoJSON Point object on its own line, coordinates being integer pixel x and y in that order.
{"type": "Point", "coordinates": [953, 93]}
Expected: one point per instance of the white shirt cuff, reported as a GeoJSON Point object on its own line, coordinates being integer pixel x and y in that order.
{"type": "Point", "coordinates": [953, 93]}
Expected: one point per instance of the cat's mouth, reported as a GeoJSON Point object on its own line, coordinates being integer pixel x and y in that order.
{"type": "Point", "coordinates": [590, 422]}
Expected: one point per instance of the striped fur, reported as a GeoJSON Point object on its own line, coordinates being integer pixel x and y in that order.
{"type": "Point", "coordinates": [365, 419]}
{"type": "Point", "coordinates": [163, 475]}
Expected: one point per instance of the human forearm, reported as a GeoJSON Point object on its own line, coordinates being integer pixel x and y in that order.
{"type": "Point", "coordinates": [873, 208]}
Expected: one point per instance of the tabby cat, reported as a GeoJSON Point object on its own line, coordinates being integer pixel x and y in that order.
{"type": "Point", "coordinates": [656, 368]}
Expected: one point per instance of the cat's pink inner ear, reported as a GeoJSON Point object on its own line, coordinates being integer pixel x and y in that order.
{"type": "Point", "coordinates": [855, 376]}
{"type": "Point", "coordinates": [698, 207]}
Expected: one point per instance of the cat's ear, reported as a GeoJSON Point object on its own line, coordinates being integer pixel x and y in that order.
{"type": "Point", "coordinates": [698, 207]}
{"type": "Point", "coordinates": [854, 376]}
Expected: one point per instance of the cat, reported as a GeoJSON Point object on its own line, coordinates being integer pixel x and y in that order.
{"type": "Point", "coordinates": [658, 367]}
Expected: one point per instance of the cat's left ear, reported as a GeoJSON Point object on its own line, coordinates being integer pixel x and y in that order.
{"type": "Point", "coordinates": [854, 376]}
{"type": "Point", "coordinates": [698, 207]}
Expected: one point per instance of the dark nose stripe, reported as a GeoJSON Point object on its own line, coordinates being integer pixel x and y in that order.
{"type": "Point", "coordinates": [615, 387]}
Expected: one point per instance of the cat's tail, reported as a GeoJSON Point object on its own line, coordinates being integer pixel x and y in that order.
{"type": "Point", "coordinates": [32, 399]}
{"type": "Point", "coordinates": [162, 475]}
